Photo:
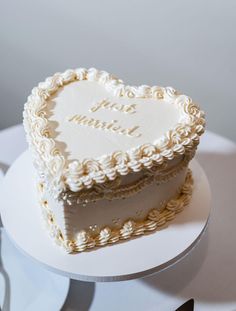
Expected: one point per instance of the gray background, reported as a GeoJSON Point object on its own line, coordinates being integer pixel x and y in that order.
{"type": "Point", "coordinates": [190, 45]}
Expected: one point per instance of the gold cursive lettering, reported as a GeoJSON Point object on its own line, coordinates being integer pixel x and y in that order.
{"type": "Point", "coordinates": [112, 126]}
{"type": "Point", "coordinates": [107, 104]}
{"type": "Point", "coordinates": [131, 132]}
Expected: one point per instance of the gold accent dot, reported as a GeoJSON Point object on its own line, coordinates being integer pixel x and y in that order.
{"type": "Point", "coordinates": [45, 203]}
{"type": "Point", "coordinates": [51, 219]}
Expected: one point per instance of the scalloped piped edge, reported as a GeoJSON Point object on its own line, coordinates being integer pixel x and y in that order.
{"type": "Point", "coordinates": [130, 229]}
{"type": "Point", "coordinates": [101, 192]}
{"type": "Point", "coordinates": [60, 175]}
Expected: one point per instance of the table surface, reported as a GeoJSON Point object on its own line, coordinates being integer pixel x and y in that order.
{"type": "Point", "coordinates": [207, 274]}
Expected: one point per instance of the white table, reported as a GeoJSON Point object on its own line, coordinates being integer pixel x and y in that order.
{"type": "Point", "coordinates": [208, 274]}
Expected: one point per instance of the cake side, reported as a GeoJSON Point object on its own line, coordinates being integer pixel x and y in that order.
{"type": "Point", "coordinates": [146, 216]}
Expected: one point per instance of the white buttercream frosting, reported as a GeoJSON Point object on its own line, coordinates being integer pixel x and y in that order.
{"type": "Point", "coordinates": [71, 156]}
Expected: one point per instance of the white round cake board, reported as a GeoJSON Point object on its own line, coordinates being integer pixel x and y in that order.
{"type": "Point", "coordinates": [21, 217]}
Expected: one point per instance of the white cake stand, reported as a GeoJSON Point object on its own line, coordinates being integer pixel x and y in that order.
{"type": "Point", "coordinates": [129, 260]}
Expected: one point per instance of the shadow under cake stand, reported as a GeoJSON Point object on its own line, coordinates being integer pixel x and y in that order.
{"type": "Point", "coordinates": [21, 217]}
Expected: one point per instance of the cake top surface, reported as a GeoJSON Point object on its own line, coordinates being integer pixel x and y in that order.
{"type": "Point", "coordinates": [87, 127]}
{"type": "Point", "coordinates": [90, 122]}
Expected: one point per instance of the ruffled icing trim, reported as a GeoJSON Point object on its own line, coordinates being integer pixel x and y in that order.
{"type": "Point", "coordinates": [115, 190]}
{"type": "Point", "coordinates": [52, 166]}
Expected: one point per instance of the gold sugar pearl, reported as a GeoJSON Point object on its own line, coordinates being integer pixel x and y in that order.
{"type": "Point", "coordinates": [45, 203]}
{"type": "Point", "coordinates": [51, 219]}
{"type": "Point", "coordinates": [41, 187]}
{"type": "Point", "coordinates": [93, 227]}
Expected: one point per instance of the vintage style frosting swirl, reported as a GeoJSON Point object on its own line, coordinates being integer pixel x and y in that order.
{"type": "Point", "coordinates": [59, 174]}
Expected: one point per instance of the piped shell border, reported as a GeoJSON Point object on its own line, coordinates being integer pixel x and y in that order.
{"type": "Point", "coordinates": [59, 175]}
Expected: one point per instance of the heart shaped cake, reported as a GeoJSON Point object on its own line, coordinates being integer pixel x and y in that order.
{"type": "Point", "coordinates": [111, 160]}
